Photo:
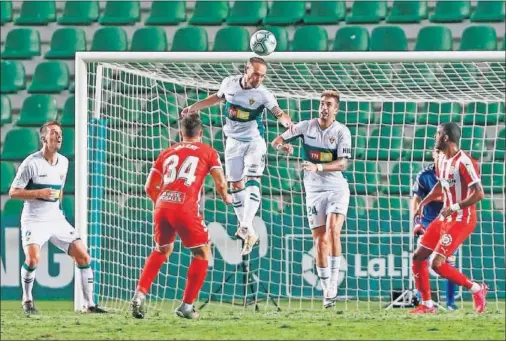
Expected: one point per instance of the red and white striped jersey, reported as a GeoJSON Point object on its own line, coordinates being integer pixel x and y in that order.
{"type": "Point", "coordinates": [456, 175]}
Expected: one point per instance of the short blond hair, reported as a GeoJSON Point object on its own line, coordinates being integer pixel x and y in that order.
{"type": "Point", "coordinates": [331, 93]}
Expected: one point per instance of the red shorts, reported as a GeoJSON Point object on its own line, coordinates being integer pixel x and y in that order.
{"type": "Point", "coordinates": [189, 226]}
{"type": "Point", "coordinates": [444, 237]}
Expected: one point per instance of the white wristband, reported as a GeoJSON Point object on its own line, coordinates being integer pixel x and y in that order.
{"type": "Point", "coordinates": [278, 146]}
{"type": "Point", "coordinates": [319, 167]}
{"type": "Point", "coordinates": [455, 207]}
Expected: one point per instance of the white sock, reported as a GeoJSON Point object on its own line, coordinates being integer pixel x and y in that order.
{"type": "Point", "coordinates": [428, 304]}
{"type": "Point", "coordinates": [335, 266]}
{"type": "Point", "coordinates": [27, 279]}
{"type": "Point", "coordinates": [324, 274]}
{"type": "Point", "coordinates": [475, 288]}
{"type": "Point", "coordinates": [251, 204]}
{"type": "Point", "coordinates": [87, 284]}
{"type": "Point", "coordinates": [238, 198]}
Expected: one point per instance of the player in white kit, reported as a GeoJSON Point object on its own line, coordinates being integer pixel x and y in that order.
{"type": "Point", "coordinates": [39, 182]}
{"type": "Point", "coordinates": [245, 150]}
{"type": "Point", "coordinates": [327, 147]}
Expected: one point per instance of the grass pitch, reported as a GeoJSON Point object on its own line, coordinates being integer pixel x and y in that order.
{"type": "Point", "coordinates": [57, 321]}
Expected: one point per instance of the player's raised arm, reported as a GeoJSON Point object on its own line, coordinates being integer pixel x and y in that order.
{"type": "Point", "coordinates": [153, 184]}
{"type": "Point", "coordinates": [282, 117]}
{"type": "Point", "coordinates": [207, 102]}
{"type": "Point", "coordinates": [282, 142]}
{"type": "Point", "coordinates": [221, 184]}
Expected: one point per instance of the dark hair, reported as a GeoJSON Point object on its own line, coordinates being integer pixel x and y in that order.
{"type": "Point", "coordinates": [43, 129]}
{"type": "Point", "coordinates": [191, 125]}
{"type": "Point", "coordinates": [257, 60]}
{"type": "Point", "coordinates": [453, 131]}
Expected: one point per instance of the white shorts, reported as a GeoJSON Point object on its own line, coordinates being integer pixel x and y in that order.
{"type": "Point", "coordinates": [59, 232]}
{"type": "Point", "coordinates": [321, 204]}
{"type": "Point", "coordinates": [244, 158]}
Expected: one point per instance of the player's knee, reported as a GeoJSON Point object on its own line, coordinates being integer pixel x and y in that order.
{"type": "Point", "coordinates": [166, 249]}
{"type": "Point", "coordinates": [82, 258]}
{"type": "Point", "coordinates": [235, 186]}
{"type": "Point", "coordinates": [202, 252]}
{"type": "Point", "coordinates": [437, 262]}
{"type": "Point", "coordinates": [32, 260]}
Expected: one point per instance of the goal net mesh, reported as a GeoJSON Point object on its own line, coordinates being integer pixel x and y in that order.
{"type": "Point", "coordinates": [392, 111]}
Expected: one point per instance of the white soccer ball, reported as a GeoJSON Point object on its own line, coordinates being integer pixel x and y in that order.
{"type": "Point", "coordinates": [263, 42]}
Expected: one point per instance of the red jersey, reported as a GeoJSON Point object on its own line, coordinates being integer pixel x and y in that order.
{"type": "Point", "coordinates": [184, 167]}
{"type": "Point", "coordinates": [456, 175]}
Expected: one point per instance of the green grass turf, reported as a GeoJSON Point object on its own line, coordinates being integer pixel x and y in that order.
{"type": "Point", "coordinates": [57, 321]}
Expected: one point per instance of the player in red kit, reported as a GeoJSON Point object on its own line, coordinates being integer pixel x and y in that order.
{"type": "Point", "coordinates": [174, 185]}
{"type": "Point", "coordinates": [460, 184]}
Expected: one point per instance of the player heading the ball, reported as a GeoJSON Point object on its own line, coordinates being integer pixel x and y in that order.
{"type": "Point", "coordinates": [174, 184]}
{"type": "Point", "coordinates": [39, 182]}
{"type": "Point", "coordinates": [460, 184]}
{"type": "Point", "coordinates": [327, 146]}
{"type": "Point", "coordinates": [245, 101]}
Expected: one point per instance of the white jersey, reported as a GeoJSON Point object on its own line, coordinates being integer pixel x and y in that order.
{"type": "Point", "coordinates": [322, 146]}
{"type": "Point", "coordinates": [35, 172]}
{"type": "Point", "coordinates": [244, 109]}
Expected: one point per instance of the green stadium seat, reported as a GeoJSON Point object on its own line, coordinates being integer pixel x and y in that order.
{"type": "Point", "coordinates": [231, 39]}
{"type": "Point", "coordinates": [398, 113]}
{"type": "Point", "coordinates": [385, 143]}
{"type": "Point", "coordinates": [434, 38]}
{"type": "Point", "coordinates": [68, 145]}
{"type": "Point", "coordinates": [139, 209]}
{"type": "Point", "coordinates": [120, 13]}
{"type": "Point", "coordinates": [68, 206]}
{"type": "Point", "coordinates": [5, 12]}
{"type": "Point", "coordinates": [149, 39]}
{"type": "Point", "coordinates": [65, 42]}
{"type": "Point", "coordinates": [131, 111]}
{"type": "Point", "coordinates": [166, 13]}
{"type": "Point", "coordinates": [388, 38]}
{"type": "Point", "coordinates": [502, 47]}
{"type": "Point", "coordinates": [310, 38]}
{"type": "Point", "coordinates": [478, 38]}
{"type": "Point", "coordinates": [363, 177]}
{"type": "Point", "coordinates": [70, 182]}
{"type": "Point", "coordinates": [36, 110]}
{"type": "Point", "coordinates": [209, 13]}
{"type": "Point", "coordinates": [402, 178]}
{"type": "Point", "coordinates": [121, 176]}
{"type": "Point", "coordinates": [438, 113]}
{"type": "Point", "coordinates": [79, 13]}
{"type": "Point", "coordinates": [5, 110]}
{"type": "Point", "coordinates": [472, 141]}
{"type": "Point", "coordinates": [488, 11]}
{"type": "Point", "coordinates": [284, 13]}
{"type": "Point", "coordinates": [374, 76]}
{"type": "Point", "coordinates": [13, 208]}
{"type": "Point", "coordinates": [500, 145]}
{"type": "Point", "coordinates": [19, 143]}
{"type": "Point", "coordinates": [493, 177]}
{"type": "Point", "coordinates": [21, 43]}
{"type": "Point", "coordinates": [149, 142]}
{"type": "Point", "coordinates": [12, 77]}
{"type": "Point", "coordinates": [390, 209]}
{"type": "Point", "coordinates": [353, 112]}
{"type": "Point", "coordinates": [281, 35]}
{"type": "Point", "coordinates": [451, 11]}
{"type": "Point", "coordinates": [190, 39]}
{"type": "Point", "coordinates": [351, 38]}
{"type": "Point", "coordinates": [480, 113]}
{"type": "Point", "coordinates": [357, 207]}
{"type": "Point", "coordinates": [325, 13]}
{"type": "Point", "coordinates": [8, 172]}
{"type": "Point", "coordinates": [407, 12]}
{"type": "Point", "coordinates": [109, 39]}
{"type": "Point", "coordinates": [50, 77]}
{"type": "Point", "coordinates": [68, 116]}
{"type": "Point", "coordinates": [422, 145]}
{"type": "Point", "coordinates": [118, 143]}
{"type": "Point", "coordinates": [370, 12]}
{"type": "Point", "coordinates": [247, 13]}
{"type": "Point", "coordinates": [358, 140]}
{"type": "Point", "coordinates": [36, 13]}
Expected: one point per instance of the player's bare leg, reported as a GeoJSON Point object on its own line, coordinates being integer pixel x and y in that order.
{"type": "Point", "coordinates": [80, 255]}
{"type": "Point", "coordinates": [421, 276]}
{"type": "Point", "coordinates": [195, 279]}
{"type": "Point", "coordinates": [251, 205]}
{"type": "Point", "coordinates": [335, 223]}
{"type": "Point", "coordinates": [321, 241]}
{"type": "Point", "coordinates": [32, 257]}
{"type": "Point", "coordinates": [151, 268]}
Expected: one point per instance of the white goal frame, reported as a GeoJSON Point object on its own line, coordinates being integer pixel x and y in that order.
{"type": "Point", "coordinates": [81, 97]}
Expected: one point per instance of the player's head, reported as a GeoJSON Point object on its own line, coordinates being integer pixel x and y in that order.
{"type": "Point", "coordinates": [51, 135]}
{"type": "Point", "coordinates": [329, 104]}
{"type": "Point", "coordinates": [191, 127]}
{"type": "Point", "coordinates": [446, 134]}
{"type": "Point", "coordinates": [254, 72]}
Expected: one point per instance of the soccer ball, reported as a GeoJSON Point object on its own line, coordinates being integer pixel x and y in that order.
{"type": "Point", "coordinates": [263, 42]}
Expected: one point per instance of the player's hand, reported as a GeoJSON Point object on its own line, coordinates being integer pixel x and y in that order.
{"type": "Point", "coordinates": [308, 166]}
{"type": "Point", "coordinates": [419, 212]}
{"type": "Point", "coordinates": [228, 199]}
{"type": "Point", "coordinates": [48, 194]}
{"type": "Point", "coordinates": [286, 148]}
{"type": "Point", "coordinates": [418, 230]}
{"type": "Point", "coordinates": [186, 111]}
{"type": "Point", "coordinates": [446, 211]}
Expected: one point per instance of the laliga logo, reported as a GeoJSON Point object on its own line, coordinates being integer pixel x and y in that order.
{"type": "Point", "coordinates": [308, 260]}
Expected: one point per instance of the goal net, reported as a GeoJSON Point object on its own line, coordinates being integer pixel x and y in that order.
{"type": "Point", "coordinates": [392, 104]}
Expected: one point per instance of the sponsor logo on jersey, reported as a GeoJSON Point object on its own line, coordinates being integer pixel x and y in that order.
{"type": "Point", "coordinates": [447, 183]}
{"type": "Point", "coordinates": [171, 196]}
{"type": "Point", "coordinates": [320, 156]}
{"type": "Point", "coordinates": [446, 240]}
{"type": "Point", "coordinates": [233, 112]}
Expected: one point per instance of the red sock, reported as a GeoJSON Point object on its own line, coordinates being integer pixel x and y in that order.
{"type": "Point", "coordinates": [449, 272]}
{"type": "Point", "coordinates": [421, 275]}
{"type": "Point", "coordinates": [151, 269]}
{"type": "Point", "coordinates": [195, 279]}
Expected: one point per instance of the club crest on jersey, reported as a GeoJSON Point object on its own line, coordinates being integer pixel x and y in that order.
{"type": "Point", "coordinates": [332, 139]}
{"type": "Point", "coordinates": [251, 101]}
{"type": "Point", "coordinates": [446, 240]}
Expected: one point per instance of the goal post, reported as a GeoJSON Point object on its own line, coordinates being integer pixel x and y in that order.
{"type": "Point", "coordinates": [127, 107]}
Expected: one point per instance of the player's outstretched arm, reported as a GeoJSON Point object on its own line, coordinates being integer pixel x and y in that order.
{"type": "Point", "coordinates": [203, 104]}
{"type": "Point", "coordinates": [221, 184]}
{"type": "Point", "coordinates": [335, 166]}
{"type": "Point", "coordinates": [30, 194]}
{"type": "Point", "coordinates": [280, 145]}
{"type": "Point", "coordinates": [153, 184]}
{"type": "Point", "coordinates": [434, 194]}
{"type": "Point", "coordinates": [282, 117]}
